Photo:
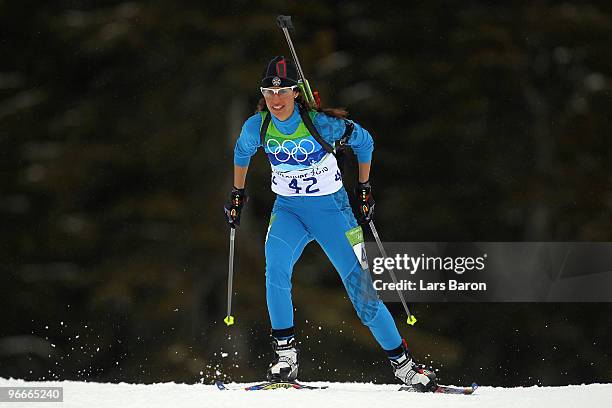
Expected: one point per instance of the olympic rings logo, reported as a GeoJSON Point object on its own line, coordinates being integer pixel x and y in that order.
{"type": "Point", "coordinates": [289, 149]}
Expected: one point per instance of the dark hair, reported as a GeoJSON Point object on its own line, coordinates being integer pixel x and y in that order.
{"type": "Point", "coordinates": [339, 113]}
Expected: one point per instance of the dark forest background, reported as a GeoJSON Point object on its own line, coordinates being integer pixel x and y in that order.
{"type": "Point", "coordinates": [117, 126]}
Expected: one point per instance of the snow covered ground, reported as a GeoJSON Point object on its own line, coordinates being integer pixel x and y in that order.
{"type": "Point", "coordinates": [171, 395]}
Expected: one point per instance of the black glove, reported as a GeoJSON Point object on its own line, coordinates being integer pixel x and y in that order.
{"type": "Point", "coordinates": [233, 206]}
{"type": "Point", "coordinates": [365, 202]}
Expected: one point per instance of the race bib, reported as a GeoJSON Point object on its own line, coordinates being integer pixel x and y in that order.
{"type": "Point", "coordinates": [318, 179]}
{"type": "Point", "coordinates": [300, 165]}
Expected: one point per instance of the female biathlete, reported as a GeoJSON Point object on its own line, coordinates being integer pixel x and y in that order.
{"type": "Point", "coordinates": [312, 204]}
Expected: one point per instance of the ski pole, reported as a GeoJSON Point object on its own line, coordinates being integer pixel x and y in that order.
{"type": "Point", "coordinates": [229, 319]}
{"type": "Point", "coordinates": [284, 22]}
{"type": "Point", "coordinates": [411, 320]}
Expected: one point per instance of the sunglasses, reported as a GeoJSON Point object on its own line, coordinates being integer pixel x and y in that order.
{"type": "Point", "coordinates": [280, 91]}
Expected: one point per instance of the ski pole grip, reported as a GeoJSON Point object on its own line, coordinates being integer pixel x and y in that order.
{"type": "Point", "coordinates": [284, 22]}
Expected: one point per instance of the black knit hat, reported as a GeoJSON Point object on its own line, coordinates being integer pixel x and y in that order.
{"type": "Point", "coordinates": [280, 71]}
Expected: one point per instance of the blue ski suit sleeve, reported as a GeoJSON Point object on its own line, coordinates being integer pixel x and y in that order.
{"type": "Point", "coordinates": [332, 129]}
{"type": "Point", "coordinates": [248, 142]}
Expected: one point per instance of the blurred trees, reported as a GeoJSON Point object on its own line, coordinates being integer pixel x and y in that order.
{"type": "Point", "coordinates": [117, 124]}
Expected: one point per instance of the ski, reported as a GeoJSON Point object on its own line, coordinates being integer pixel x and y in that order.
{"type": "Point", "coordinates": [275, 385]}
{"type": "Point", "coordinates": [448, 389]}
{"type": "Point", "coordinates": [269, 385]}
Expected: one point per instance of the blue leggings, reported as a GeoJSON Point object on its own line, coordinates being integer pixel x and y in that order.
{"type": "Point", "coordinates": [296, 221]}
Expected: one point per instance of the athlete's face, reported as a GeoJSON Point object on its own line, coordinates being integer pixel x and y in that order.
{"type": "Point", "coordinates": [280, 103]}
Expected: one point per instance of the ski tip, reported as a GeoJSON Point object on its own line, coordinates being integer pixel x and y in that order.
{"type": "Point", "coordinates": [450, 389]}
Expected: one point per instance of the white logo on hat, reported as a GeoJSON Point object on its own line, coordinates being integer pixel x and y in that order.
{"type": "Point", "coordinates": [276, 81]}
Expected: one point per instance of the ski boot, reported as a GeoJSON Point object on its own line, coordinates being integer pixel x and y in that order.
{"type": "Point", "coordinates": [285, 365]}
{"type": "Point", "coordinates": [411, 374]}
